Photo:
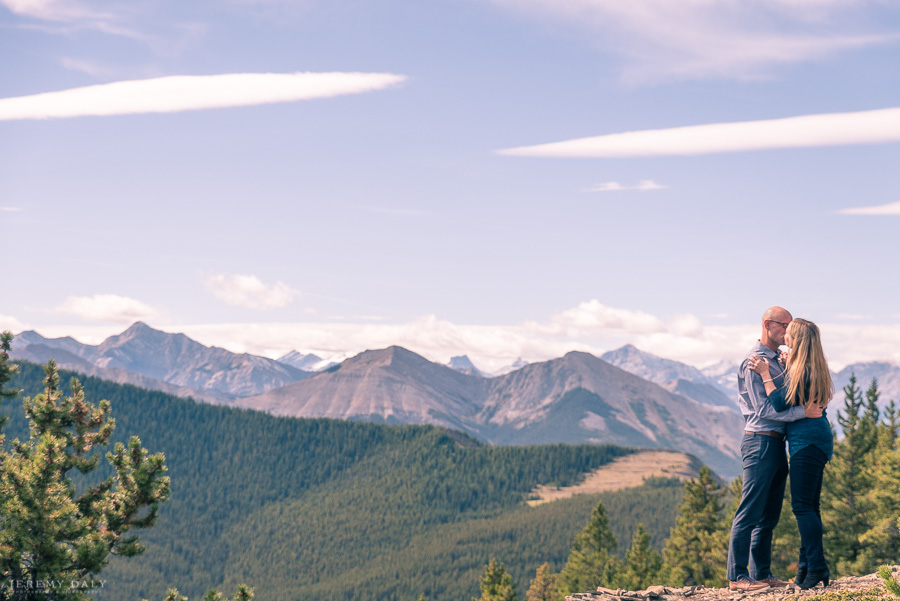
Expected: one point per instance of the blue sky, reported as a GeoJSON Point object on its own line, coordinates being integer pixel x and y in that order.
{"type": "Point", "coordinates": [488, 177]}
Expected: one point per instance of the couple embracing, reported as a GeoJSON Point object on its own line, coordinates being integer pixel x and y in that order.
{"type": "Point", "coordinates": [782, 397]}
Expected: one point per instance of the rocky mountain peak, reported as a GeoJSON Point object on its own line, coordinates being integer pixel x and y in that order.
{"type": "Point", "coordinates": [463, 364]}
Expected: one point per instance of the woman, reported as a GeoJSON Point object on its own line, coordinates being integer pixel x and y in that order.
{"type": "Point", "coordinates": [810, 440]}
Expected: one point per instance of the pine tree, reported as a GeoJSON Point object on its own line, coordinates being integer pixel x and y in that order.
{"type": "Point", "coordinates": [50, 534]}
{"type": "Point", "coordinates": [591, 563]}
{"type": "Point", "coordinates": [887, 577]}
{"type": "Point", "coordinates": [888, 432]}
{"type": "Point", "coordinates": [880, 543]}
{"type": "Point", "coordinates": [846, 507]}
{"type": "Point", "coordinates": [243, 594]}
{"type": "Point", "coordinates": [871, 417]}
{"type": "Point", "coordinates": [543, 587]}
{"type": "Point", "coordinates": [642, 563]}
{"type": "Point", "coordinates": [696, 549]}
{"type": "Point", "coordinates": [7, 371]}
{"type": "Point", "coordinates": [496, 583]}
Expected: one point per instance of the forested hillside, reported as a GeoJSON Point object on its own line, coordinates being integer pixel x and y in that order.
{"type": "Point", "coordinates": [323, 509]}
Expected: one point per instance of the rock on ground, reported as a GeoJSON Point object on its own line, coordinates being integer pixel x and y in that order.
{"type": "Point", "coordinates": [700, 593]}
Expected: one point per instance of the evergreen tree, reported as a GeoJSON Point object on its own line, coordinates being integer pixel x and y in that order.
{"type": "Point", "coordinates": [642, 563]}
{"type": "Point", "coordinates": [591, 563]}
{"type": "Point", "coordinates": [51, 534]}
{"type": "Point", "coordinates": [887, 577]}
{"type": "Point", "coordinates": [243, 594]}
{"type": "Point", "coordinates": [496, 583]}
{"type": "Point", "coordinates": [871, 417]}
{"type": "Point", "coordinates": [7, 371]}
{"type": "Point", "coordinates": [887, 439]}
{"type": "Point", "coordinates": [696, 550]}
{"type": "Point", "coordinates": [543, 587]}
{"type": "Point", "coordinates": [880, 543]}
{"type": "Point", "coordinates": [846, 507]}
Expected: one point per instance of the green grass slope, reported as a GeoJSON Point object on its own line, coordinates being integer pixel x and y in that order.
{"type": "Point", "coordinates": [314, 509]}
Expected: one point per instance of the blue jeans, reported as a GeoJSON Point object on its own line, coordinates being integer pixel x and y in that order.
{"type": "Point", "coordinates": [765, 472]}
{"type": "Point", "coordinates": [807, 467]}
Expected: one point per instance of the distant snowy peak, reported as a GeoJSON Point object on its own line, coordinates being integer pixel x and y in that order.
{"type": "Point", "coordinates": [516, 365]}
{"type": "Point", "coordinates": [463, 364]}
{"type": "Point", "coordinates": [677, 377]}
{"type": "Point", "coordinates": [313, 362]}
{"type": "Point", "coordinates": [723, 373]}
{"type": "Point", "coordinates": [300, 360]}
{"type": "Point", "coordinates": [651, 367]}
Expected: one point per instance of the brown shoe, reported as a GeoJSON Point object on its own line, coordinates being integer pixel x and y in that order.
{"type": "Point", "coordinates": [746, 585]}
{"type": "Point", "coordinates": [775, 582]}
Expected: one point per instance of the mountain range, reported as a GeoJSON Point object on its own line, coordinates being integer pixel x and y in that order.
{"type": "Point", "coordinates": [172, 363]}
{"type": "Point", "coordinates": [573, 399]}
{"type": "Point", "coordinates": [675, 377]}
{"type": "Point", "coordinates": [627, 396]}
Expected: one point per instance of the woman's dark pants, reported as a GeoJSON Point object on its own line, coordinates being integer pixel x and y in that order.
{"type": "Point", "coordinates": [807, 466]}
{"type": "Point", "coordinates": [765, 472]}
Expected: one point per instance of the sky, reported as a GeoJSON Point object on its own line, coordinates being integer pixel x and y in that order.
{"type": "Point", "coordinates": [495, 178]}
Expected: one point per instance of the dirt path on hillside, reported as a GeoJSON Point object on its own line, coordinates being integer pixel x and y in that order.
{"type": "Point", "coordinates": [624, 472]}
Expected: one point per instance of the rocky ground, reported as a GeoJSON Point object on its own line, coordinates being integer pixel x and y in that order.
{"type": "Point", "coordinates": [850, 588]}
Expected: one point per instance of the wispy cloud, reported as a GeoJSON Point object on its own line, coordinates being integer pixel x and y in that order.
{"type": "Point", "coordinates": [68, 15]}
{"type": "Point", "coordinates": [108, 307]}
{"type": "Point", "coordinates": [892, 208]}
{"type": "Point", "coordinates": [191, 92]}
{"type": "Point", "coordinates": [249, 291]}
{"type": "Point", "coordinates": [394, 211]}
{"type": "Point", "coordinates": [10, 209]}
{"type": "Point", "coordinates": [89, 67]}
{"type": "Point", "coordinates": [642, 186]}
{"type": "Point", "coordinates": [698, 39]}
{"type": "Point", "coordinates": [832, 129]}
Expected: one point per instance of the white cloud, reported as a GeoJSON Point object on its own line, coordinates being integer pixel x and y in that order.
{"type": "Point", "coordinates": [686, 325]}
{"type": "Point", "coordinates": [10, 210]}
{"type": "Point", "coordinates": [590, 327]}
{"type": "Point", "coordinates": [108, 307]}
{"type": "Point", "coordinates": [8, 322]}
{"type": "Point", "coordinates": [593, 318]}
{"type": "Point", "coordinates": [191, 92]}
{"type": "Point", "coordinates": [642, 186]}
{"type": "Point", "coordinates": [851, 316]}
{"type": "Point", "coordinates": [697, 39]}
{"type": "Point", "coordinates": [248, 291]}
{"type": "Point", "coordinates": [834, 129]}
{"type": "Point", "coordinates": [892, 208]}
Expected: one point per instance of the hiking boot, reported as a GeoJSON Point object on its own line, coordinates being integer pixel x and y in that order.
{"type": "Point", "coordinates": [745, 585]}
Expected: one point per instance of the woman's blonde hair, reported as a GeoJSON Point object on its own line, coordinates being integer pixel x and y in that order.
{"type": "Point", "coordinates": [807, 370]}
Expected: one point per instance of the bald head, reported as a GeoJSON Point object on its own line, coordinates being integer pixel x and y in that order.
{"type": "Point", "coordinates": [777, 314]}
{"type": "Point", "coordinates": [774, 325]}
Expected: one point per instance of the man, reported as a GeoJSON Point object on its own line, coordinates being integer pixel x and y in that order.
{"type": "Point", "coordinates": [765, 467]}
